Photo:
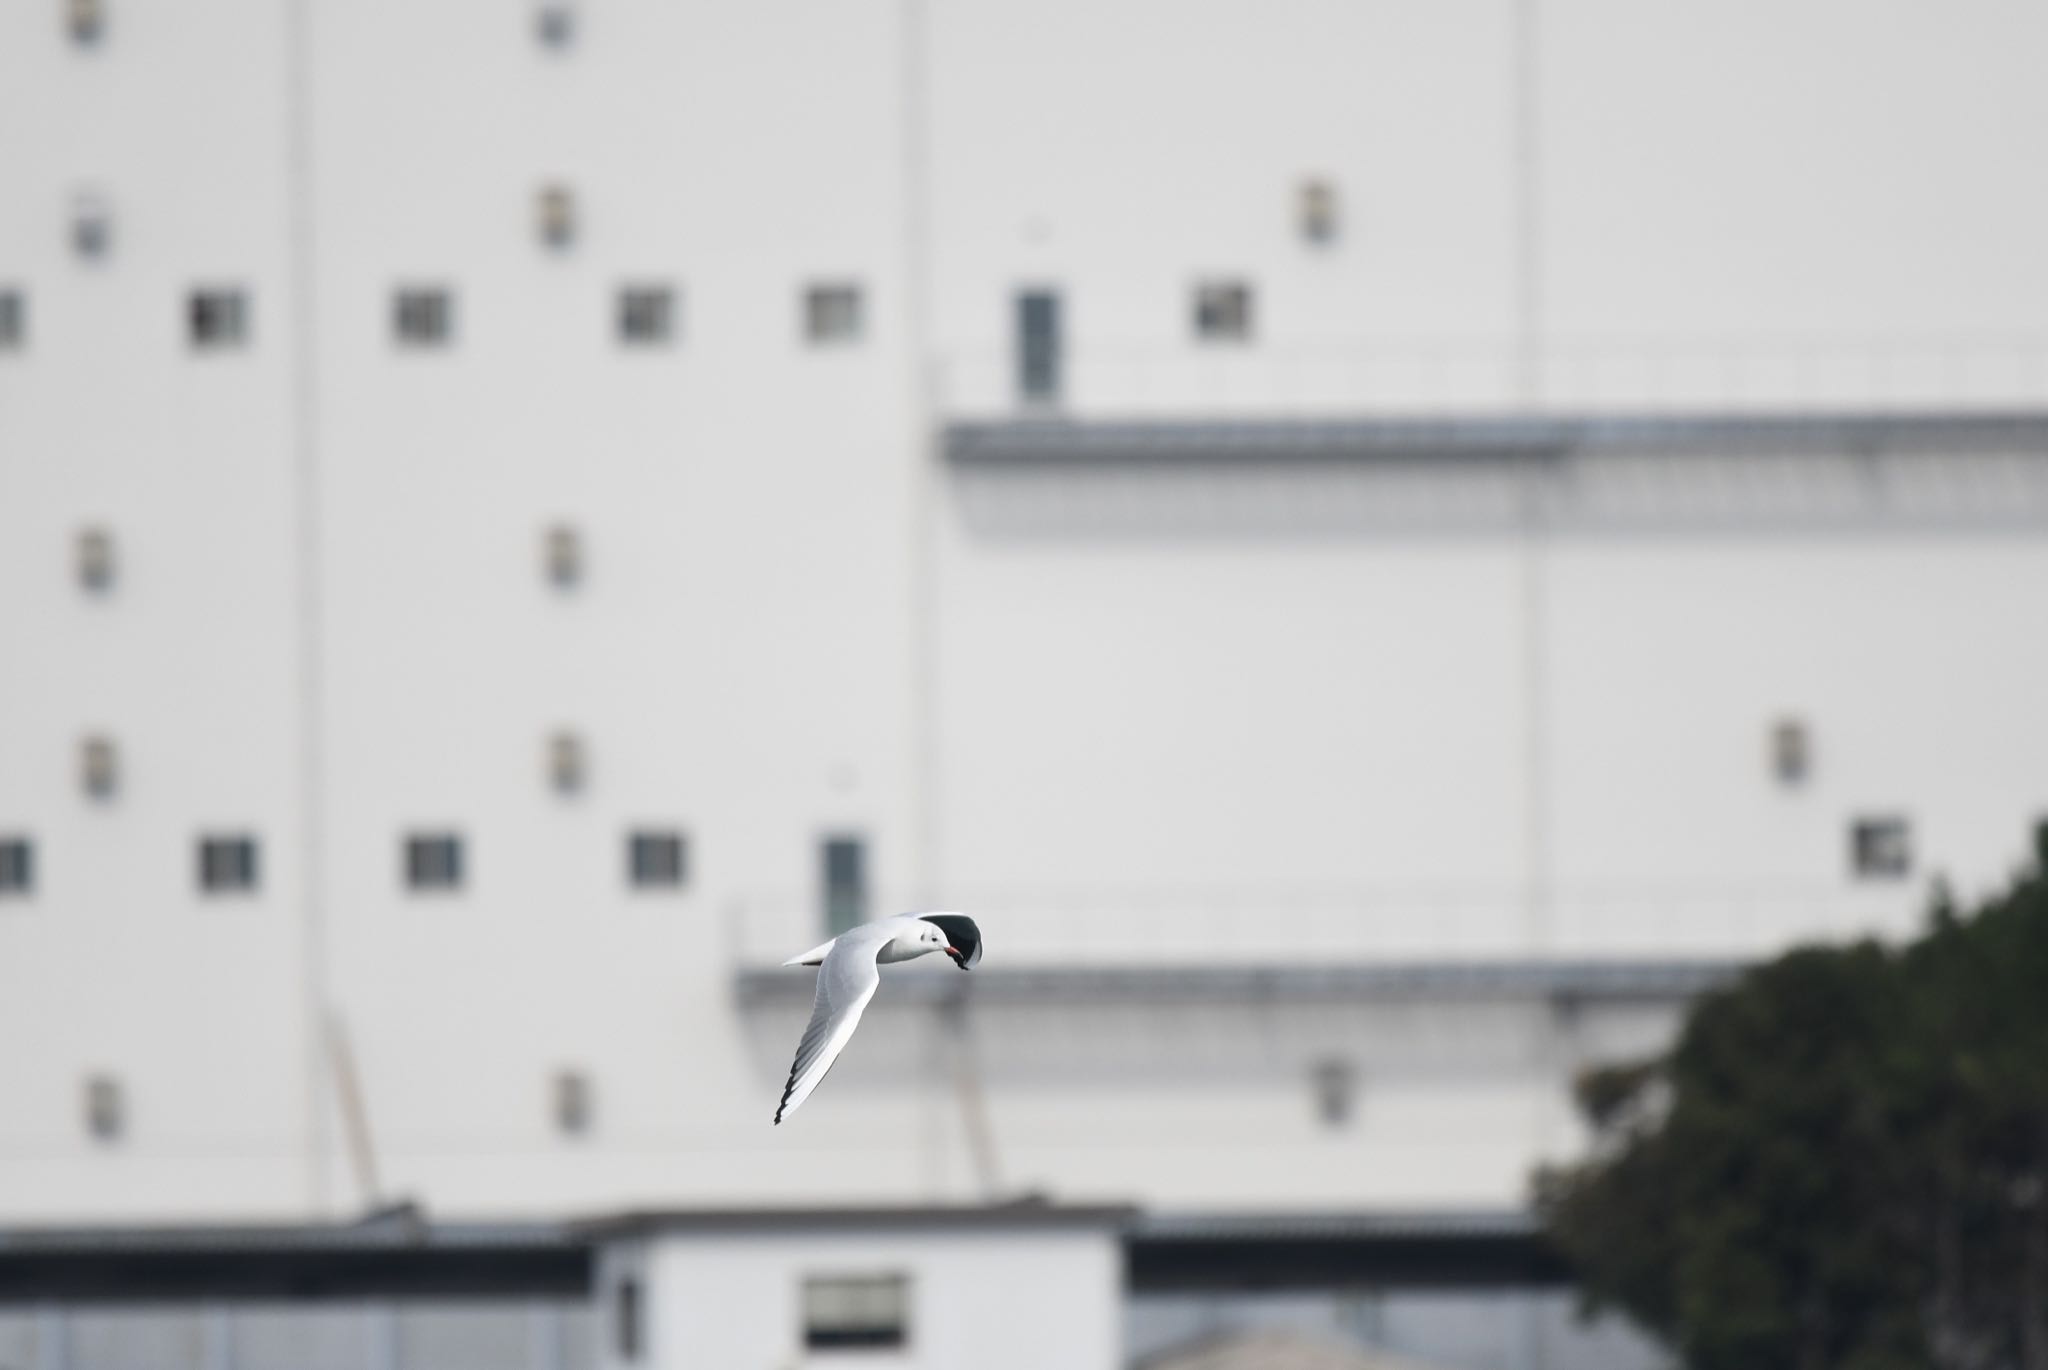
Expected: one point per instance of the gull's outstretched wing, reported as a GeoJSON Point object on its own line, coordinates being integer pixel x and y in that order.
{"type": "Point", "coordinates": [846, 981]}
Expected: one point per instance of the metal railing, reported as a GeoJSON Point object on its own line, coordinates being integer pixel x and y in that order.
{"type": "Point", "coordinates": [1048, 929]}
{"type": "Point", "coordinates": [1494, 375]}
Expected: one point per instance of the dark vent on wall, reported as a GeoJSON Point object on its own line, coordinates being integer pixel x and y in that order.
{"type": "Point", "coordinates": [99, 767]}
{"type": "Point", "coordinates": [92, 225]}
{"type": "Point", "coordinates": [94, 556]}
{"type": "Point", "coordinates": [554, 215]}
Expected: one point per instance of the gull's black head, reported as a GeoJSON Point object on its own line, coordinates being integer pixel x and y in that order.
{"type": "Point", "coordinates": [963, 939]}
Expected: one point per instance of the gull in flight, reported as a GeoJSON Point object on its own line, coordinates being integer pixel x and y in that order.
{"type": "Point", "coordinates": [850, 970]}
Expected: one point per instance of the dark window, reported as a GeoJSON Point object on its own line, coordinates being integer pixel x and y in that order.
{"type": "Point", "coordinates": [628, 1336]}
{"type": "Point", "coordinates": [423, 316]}
{"type": "Point", "coordinates": [646, 315]}
{"type": "Point", "coordinates": [845, 883]}
{"type": "Point", "coordinates": [17, 867]}
{"type": "Point", "coordinates": [832, 313]}
{"type": "Point", "coordinates": [1038, 346]}
{"type": "Point", "coordinates": [1223, 311]}
{"type": "Point", "coordinates": [572, 1103]}
{"type": "Point", "coordinates": [95, 554]}
{"type": "Point", "coordinates": [227, 863]}
{"type": "Point", "coordinates": [219, 319]}
{"type": "Point", "coordinates": [656, 859]}
{"type": "Point", "coordinates": [106, 1111]}
{"type": "Point", "coordinates": [1881, 848]}
{"type": "Point", "coordinates": [433, 861]}
{"type": "Point", "coordinates": [13, 320]}
{"type": "Point", "coordinates": [865, 1311]}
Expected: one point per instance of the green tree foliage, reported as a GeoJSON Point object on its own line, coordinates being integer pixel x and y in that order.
{"type": "Point", "coordinates": [1843, 1162]}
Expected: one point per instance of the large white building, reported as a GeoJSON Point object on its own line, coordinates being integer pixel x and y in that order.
{"type": "Point", "coordinates": [1377, 547]}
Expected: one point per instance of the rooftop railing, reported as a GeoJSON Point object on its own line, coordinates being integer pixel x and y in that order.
{"type": "Point", "coordinates": [1098, 380]}
{"type": "Point", "coordinates": [1136, 929]}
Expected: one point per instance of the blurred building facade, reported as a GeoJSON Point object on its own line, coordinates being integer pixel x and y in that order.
{"type": "Point", "coordinates": [1025, 1284]}
{"type": "Point", "coordinates": [1377, 548]}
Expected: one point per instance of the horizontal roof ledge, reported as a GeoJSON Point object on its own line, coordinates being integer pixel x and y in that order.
{"type": "Point", "coordinates": [1524, 437]}
{"type": "Point", "coordinates": [1659, 980]}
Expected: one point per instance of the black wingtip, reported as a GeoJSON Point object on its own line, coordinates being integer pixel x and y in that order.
{"type": "Point", "coordinates": [782, 1104]}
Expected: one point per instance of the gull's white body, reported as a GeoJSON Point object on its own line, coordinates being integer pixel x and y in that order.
{"type": "Point", "coordinates": [849, 972]}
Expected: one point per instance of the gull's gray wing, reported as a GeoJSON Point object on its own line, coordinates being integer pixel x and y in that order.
{"type": "Point", "coordinates": [847, 979]}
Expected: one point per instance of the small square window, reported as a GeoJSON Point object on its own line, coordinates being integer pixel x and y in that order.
{"type": "Point", "coordinates": [106, 1108]}
{"type": "Point", "coordinates": [1317, 213]}
{"type": "Point", "coordinates": [13, 319]}
{"type": "Point", "coordinates": [1223, 311]}
{"type": "Point", "coordinates": [219, 318]}
{"type": "Point", "coordinates": [868, 1312]}
{"type": "Point", "coordinates": [86, 20]}
{"type": "Point", "coordinates": [1791, 751]}
{"type": "Point", "coordinates": [646, 315]}
{"type": "Point", "coordinates": [833, 314]}
{"type": "Point", "coordinates": [573, 1108]}
{"type": "Point", "coordinates": [568, 763]}
{"type": "Point", "coordinates": [1881, 848]}
{"type": "Point", "coordinates": [99, 768]}
{"type": "Point", "coordinates": [92, 225]}
{"type": "Point", "coordinates": [95, 557]}
{"type": "Point", "coordinates": [433, 861]}
{"type": "Point", "coordinates": [554, 216]}
{"type": "Point", "coordinates": [17, 868]}
{"type": "Point", "coordinates": [656, 859]}
{"type": "Point", "coordinates": [227, 863]}
{"type": "Point", "coordinates": [423, 316]}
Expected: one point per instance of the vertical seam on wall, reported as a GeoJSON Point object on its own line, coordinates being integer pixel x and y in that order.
{"type": "Point", "coordinates": [1528, 204]}
{"type": "Point", "coordinates": [305, 440]}
{"type": "Point", "coordinates": [924, 437]}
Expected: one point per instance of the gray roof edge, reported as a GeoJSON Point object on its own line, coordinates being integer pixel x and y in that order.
{"type": "Point", "coordinates": [1032, 1213]}
{"type": "Point", "coordinates": [1342, 1225]}
{"type": "Point", "coordinates": [1591, 978]}
{"type": "Point", "coordinates": [1533, 434]}
{"type": "Point", "coordinates": [199, 1238]}
{"type": "Point", "coordinates": [1128, 1221]}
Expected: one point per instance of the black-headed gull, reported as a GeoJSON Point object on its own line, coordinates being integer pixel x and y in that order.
{"type": "Point", "coordinates": [850, 969]}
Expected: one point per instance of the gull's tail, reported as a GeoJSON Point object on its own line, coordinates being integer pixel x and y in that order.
{"type": "Point", "coordinates": [815, 956]}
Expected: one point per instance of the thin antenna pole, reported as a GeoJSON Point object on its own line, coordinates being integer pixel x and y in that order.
{"type": "Point", "coordinates": [355, 1114]}
{"type": "Point", "coordinates": [974, 1116]}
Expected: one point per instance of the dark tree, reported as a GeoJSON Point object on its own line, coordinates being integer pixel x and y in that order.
{"type": "Point", "coordinates": [1842, 1164]}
